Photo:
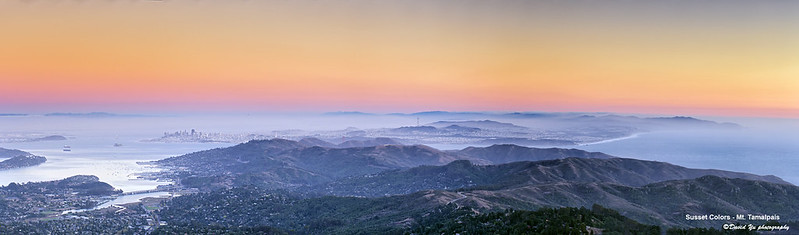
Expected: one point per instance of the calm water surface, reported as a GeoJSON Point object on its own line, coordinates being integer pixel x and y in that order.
{"type": "Point", "coordinates": [764, 150]}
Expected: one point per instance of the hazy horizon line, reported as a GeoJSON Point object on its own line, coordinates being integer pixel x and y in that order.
{"type": "Point", "coordinates": [366, 113]}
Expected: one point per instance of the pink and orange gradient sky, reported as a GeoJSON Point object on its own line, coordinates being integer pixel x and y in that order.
{"type": "Point", "coordinates": [712, 57]}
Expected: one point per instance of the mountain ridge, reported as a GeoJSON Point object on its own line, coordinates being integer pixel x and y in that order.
{"type": "Point", "coordinates": [287, 163]}
{"type": "Point", "coordinates": [663, 203]}
{"type": "Point", "coordinates": [463, 174]}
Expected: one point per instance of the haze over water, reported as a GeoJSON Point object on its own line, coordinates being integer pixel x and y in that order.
{"type": "Point", "coordinates": [92, 141]}
{"type": "Point", "coordinates": [763, 146]}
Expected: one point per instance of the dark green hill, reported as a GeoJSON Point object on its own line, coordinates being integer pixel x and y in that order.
{"type": "Point", "coordinates": [256, 150]}
{"type": "Point", "coordinates": [417, 213]}
{"type": "Point", "coordinates": [462, 174]}
{"type": "Point", "coordinates": [664, 203]}
{"type": "Point", "coordinates": [343, 162]}
{"type": "Point", "coordinates": [279, 163]}
{"type": "Point", "coordinates": [568, 220]}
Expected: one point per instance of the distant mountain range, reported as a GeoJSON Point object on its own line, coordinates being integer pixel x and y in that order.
{"type": "Point", "coordinates": [539, 129]}
{"type": "Point", "coordinates": [469, 129]}
{"type": "Point", "coordinates": [601, 116]}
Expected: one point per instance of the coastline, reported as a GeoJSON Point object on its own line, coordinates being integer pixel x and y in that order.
{"type": "Point", "coordinates": [636, 135]}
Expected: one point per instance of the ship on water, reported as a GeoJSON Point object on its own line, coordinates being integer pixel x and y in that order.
{"type": "Point", "coordinates": [67, 148]}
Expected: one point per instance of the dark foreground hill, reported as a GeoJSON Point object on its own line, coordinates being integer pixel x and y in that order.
{"type": "Point", "coordinates": [249, 210]}
{"type": "Point", "coordinates": [435, 211]}
{"type": "Point", "coordinates": [647, 191]}
{"type": "Point", "coordinates": [418, 213]}
{"type": "Point", "coordinates": [664, 203]}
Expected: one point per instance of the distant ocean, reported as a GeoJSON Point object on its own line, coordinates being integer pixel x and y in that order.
{"type": "Point", "coordinates": [764, 147]}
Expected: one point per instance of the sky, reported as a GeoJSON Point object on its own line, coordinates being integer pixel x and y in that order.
{"type": "Point", "coordinates": [711, 57]}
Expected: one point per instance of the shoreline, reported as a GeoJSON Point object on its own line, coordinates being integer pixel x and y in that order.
{"type": "Point", "coordinates": [116, 200]}
{"type": "Point", "coordinates": [636, 135]}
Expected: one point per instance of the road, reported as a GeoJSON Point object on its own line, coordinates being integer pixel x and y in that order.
{"type": "Point", "coordinates": [457, 199]}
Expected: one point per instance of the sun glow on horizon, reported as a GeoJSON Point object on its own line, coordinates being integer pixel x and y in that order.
{"type": "Point", "coordinates": [709, 58]}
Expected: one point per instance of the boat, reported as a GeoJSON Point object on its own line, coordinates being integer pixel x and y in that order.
{"type": "Point", "coordinates": [67, 148]}
{"type": "Point", "coordinates": [117, 145]}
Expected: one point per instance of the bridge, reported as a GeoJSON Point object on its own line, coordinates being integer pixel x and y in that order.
{"type": "Point", "coordinates": [143, 191]}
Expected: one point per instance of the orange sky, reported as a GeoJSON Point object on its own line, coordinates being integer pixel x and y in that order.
{"type": "Point", "coordinates": [676, 57]}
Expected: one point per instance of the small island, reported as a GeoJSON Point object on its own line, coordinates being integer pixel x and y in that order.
{"type": "Point", "coordinates": [19, 138]}
{"type": "Point", "coordinates": [22, 161]}
{"type": "Point", "coordinates": [48, 138]}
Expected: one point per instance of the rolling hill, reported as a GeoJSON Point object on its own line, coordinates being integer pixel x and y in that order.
{"type": "Point", "coordinates": [279, 163]}
{"type": "Point", "coordinates": [463, 174]}
{"type": "Point", "coordinates": [664, 203]}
